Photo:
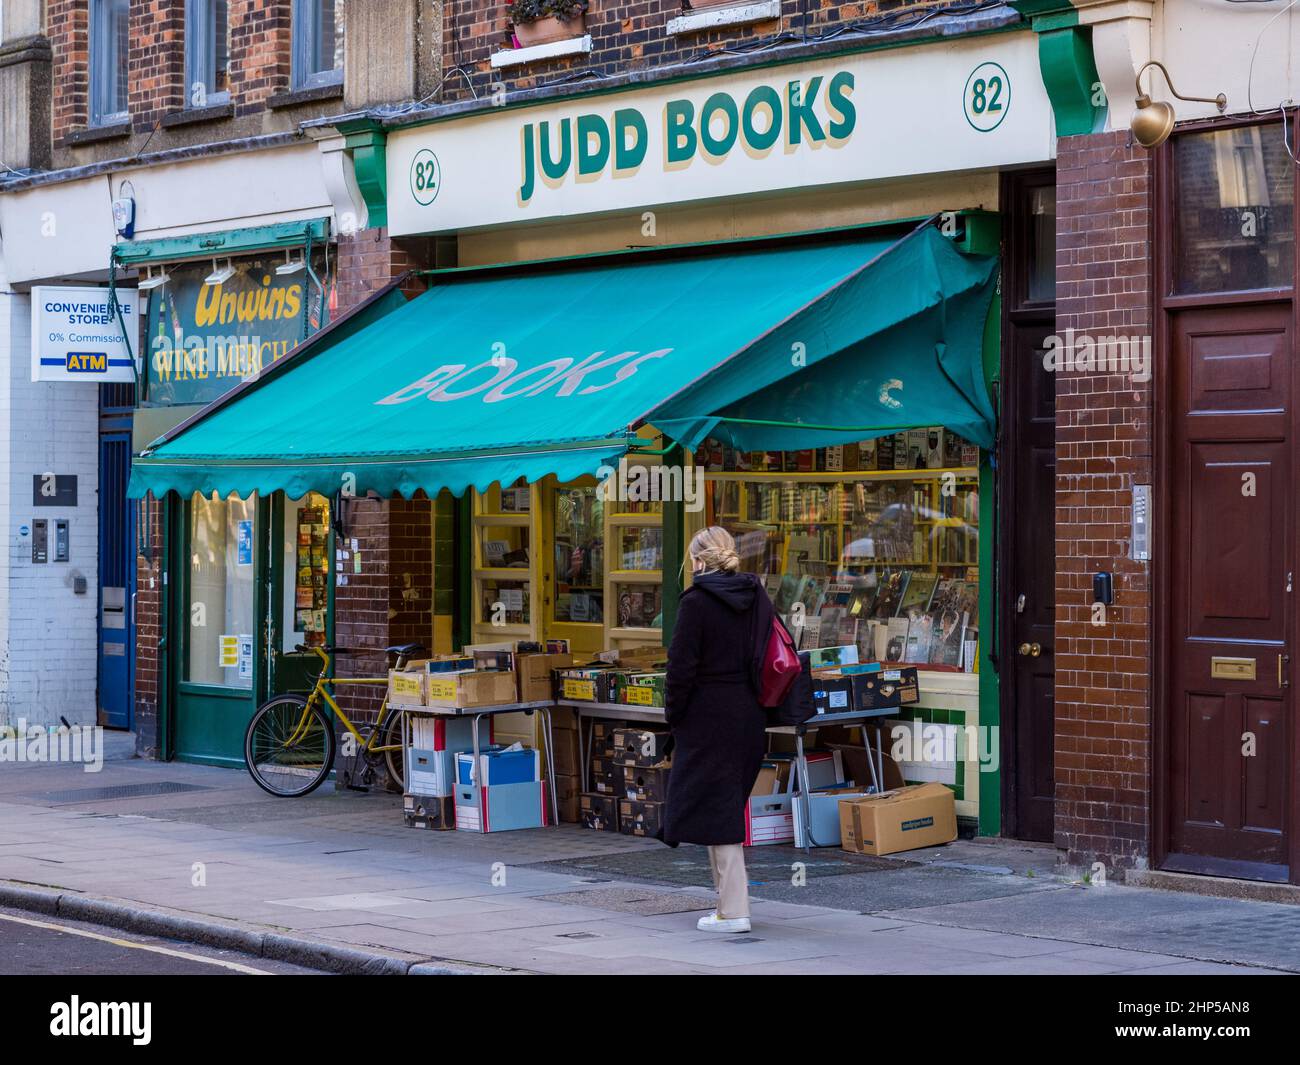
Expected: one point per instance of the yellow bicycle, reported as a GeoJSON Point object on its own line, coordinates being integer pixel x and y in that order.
{"type": "Point", "coordinates": [289, 746]}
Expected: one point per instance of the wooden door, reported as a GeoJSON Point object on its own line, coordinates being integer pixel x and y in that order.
{"type": "Point", "coordinates": [1032, 589]}
{"type": "Point", "coordinates": [1232, 501]}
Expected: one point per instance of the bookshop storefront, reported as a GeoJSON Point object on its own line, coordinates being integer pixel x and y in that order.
{"type": "Point", "coordinates": [822, 386]}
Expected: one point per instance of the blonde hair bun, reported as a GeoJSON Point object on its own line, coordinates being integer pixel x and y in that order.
{"type": "Point", "coordinates": [715, 548]}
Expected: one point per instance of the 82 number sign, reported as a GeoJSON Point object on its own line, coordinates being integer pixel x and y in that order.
{"type": "Point", "coordinates": [426, 177]}
{"type": "Point", "coordinates": [987, 97]}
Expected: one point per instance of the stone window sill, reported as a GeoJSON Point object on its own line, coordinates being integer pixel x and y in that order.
{"type": "Point", "coordinates": [310, 95]}
{"type": "Point", "coordinates": [194, 115]}
{"type": "Point", "coordinates": [709, 18]}
{"type": "Point", "coordinates": [515, 57]}
{"type": "Point", "coordinates": [95, 134]}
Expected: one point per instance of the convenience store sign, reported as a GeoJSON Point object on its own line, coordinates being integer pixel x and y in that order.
{"type": "Point", "coordinates": [956, 105]}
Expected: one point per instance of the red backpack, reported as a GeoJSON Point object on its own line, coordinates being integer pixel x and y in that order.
{"type": "Point", "coordinates": [780, 666]}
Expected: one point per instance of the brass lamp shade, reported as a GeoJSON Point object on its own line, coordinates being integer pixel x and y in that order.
{"type": "Point", "coordinates": [1152, 122]}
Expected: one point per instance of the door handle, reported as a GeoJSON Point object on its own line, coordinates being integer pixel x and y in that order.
{"type": "Point", "coordinates": [1033, 650]}
{"type": "Point", "coordinates": [1282, 682]}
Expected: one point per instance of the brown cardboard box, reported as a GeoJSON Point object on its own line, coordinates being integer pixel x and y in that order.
{"type": "Point", "coordinates": [643, 747]}
{"type": "Point", "coordinates": [568, 790]}
{"type": "Point", "coordinates": [534, 672]}
{"type": "Point", "coordinates": [564, 718]}
{"type": "Point", "coordinates": [565, 752]}
{"type": "Point", "coordinates": [644, 785]}
{"type": "Point", "coordinates": [857, 768]}
{"type": "Point", "coordinates": [406, 688]}
{"type": "Point", "coordinates": [488, 688]}
{"type": "Point", "coordinates": [427, 811]}
{"type": "Point", "coordinates": [598, 811]}
{"type": "Point", "coordinates": [920, 815]}
{"type": "Point", "coordinates": [637, 818]}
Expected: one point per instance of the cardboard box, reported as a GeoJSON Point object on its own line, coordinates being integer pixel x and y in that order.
{"type": "Point", "coordinates": [429, 811]}
{"type": "Point", "coordinates": [405, 687]}
{"type": "Point", "coordinates": [920, 815]}
{"type": "Point", "coordinates": [637, 818]}
{"type": "Point", "coordinates": [602, 738]}
{"type": "Point", "coordinates": [641, 689]}
{"type": "Point", "coordinates": [564, 719]}
{"type": "Point", "coordinates": [824, 812]}
{"type": "Point", "coordinates": [494, 659]}
{"type": "Point", "coordinates": [641, 747]}
{"type": "Point", "coordinates": [564, 752]}
{"type": "Point", "coordinates": [825, 770]}
{"type": "Point", "coordinates": [469, 689]}
{"type": "Point", "coordinates": [769, 819]}
{"type": "Point", "coordinates": [606, 776]}
{"type": "Point", "coordinates": [499, 767]}
{"type": "Point", "coordinates": [832, 692]}
{"type": "Point", "coordinates": [885, 688]}
{"type": "Point", "coordinates": [568, 790]}
{"type": "Point", "coordinates": [536, 683]}
{"type": "Point", "coordinates": [857, 770]}
{"type": "Point", "coordinates": [501, 807]}
{"type": "Point", "coordinates": [598, 811]}
{"type": "Point", "coordinates": [430, 772]}
{"type": "Point", "coordinates": [644, 785]}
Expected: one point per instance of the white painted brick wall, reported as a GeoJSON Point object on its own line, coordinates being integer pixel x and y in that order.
{"type": "Point", "coordinates": [49, 654]}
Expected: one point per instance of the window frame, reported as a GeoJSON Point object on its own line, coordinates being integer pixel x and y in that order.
{"type": "Point", "coordinates": [200, 52]}
{"type": "Point", "coordinates": [306, 31]}
{"type": "Point", "coordinates": [101, 52]}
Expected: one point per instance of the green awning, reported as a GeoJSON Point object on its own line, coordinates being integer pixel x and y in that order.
{"type": "Point", "coordinates": [513, 372]}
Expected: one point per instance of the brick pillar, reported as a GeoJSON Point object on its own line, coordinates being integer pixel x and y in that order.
{"type": "Point", "coordinates": [148, 631]}
{"type": "Point", "coordinates": [1103, 448]}
{"type": "Point", "coordinates": [156, 61]}
{"type": "Point", "coordinates": [68, 27]}
{"type": "Point", "coordinates": [391, 600]}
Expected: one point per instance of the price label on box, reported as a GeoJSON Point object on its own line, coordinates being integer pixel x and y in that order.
{"type": "Point", "coordinates": [639, 695]}
{"type": "Point", "coordinates": [442, 689]}
{"type": "Point", "coordinates": [580, 689]}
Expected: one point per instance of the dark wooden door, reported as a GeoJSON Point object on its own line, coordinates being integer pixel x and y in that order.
{"type": "Point", "coordinates": [1232, 570]}
{"type": "Point", "coordinates": [1032, 585]}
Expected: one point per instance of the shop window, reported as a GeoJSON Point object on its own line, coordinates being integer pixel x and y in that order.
{"type": "Point", "coordinates": [579, 574]}
{"type": "Point", "coordinates": [109, 43]}
{"type": "Point", "coordinates": [220, 613]}
{"type": "Point", "coordinates": [503, 559]}
{"type": "Point", "coordinates": [207, 53]}
{"type": "Point", "coordinates": [306, 570]}
{"type": "Point", "coordinates": [874, 544]}
{"type": "Point", "coordinates": [1234, 210]}
{"type": "Point", "coordinates": [317, 42]}
{"type": "Point", "coordinates": [1042, 249]}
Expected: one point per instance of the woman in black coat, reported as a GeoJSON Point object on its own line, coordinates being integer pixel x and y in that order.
{"type": "Point", "coordinates": [723, 623]}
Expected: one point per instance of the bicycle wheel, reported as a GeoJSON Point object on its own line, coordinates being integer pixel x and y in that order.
{"type": "Point", "coordinates": [392, 739]}
{"type": "Point", "coordinates": [289, 747]}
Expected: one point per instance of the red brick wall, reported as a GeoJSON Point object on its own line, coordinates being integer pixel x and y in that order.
{"type": "Point", "coordinates": [260, 59]}
{"type": "Point", "coordinates": [66, 24]}
{"type": "Point", "coordinates": [626, 35]}
{"type": "Point", "coordinates": [261, 50]}
{"type": "Point", "coordinates": [148, 632]}
{"type": "Point", "coordinates": [1103, 448]}
{"type": "Point", "coordinates": [156, 61]}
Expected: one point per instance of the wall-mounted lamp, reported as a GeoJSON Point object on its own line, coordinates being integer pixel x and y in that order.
{"type": "Point", "coordinates": [290, 265]}
{"type": "Point", "coordinates": [152, 280]}
{"type": "Point", "coordinates": [220, 275]}
{"type": "Point", "coordinates": [1154, 121]}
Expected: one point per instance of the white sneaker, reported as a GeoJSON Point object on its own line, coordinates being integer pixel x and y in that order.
{"type": "Point", "coordinates": [714, 923]}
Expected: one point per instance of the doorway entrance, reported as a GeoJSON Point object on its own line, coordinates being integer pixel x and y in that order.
{"type": "Point", "coordinates": [1027, 553]}
{"type": "Point", "coordinates": [1226, 766]}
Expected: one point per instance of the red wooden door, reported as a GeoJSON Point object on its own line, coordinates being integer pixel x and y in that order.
{"type": "Point", "coordinates": [1232, 558]}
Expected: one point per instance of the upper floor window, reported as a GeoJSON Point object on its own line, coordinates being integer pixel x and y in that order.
{"type": "Point", "coordinates": [1234, 220]}
{"type": "Point", "coordinates": [317, 42]}
{"type": "Point", "coordinates": [207, 53]}
{"type": "Point", "coordinates": [108, 53]}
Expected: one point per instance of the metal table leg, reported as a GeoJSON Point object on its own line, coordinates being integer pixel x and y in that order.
{"type": "Point", "coordinates": [802, 762]}
{"type": "Point", "coordinates": [550, 763]}
{"type": "Point", "coordinates": [475, 783]}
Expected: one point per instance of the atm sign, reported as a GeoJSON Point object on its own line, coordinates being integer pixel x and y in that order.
{"type": "Point", "coordinates": [87, 362]}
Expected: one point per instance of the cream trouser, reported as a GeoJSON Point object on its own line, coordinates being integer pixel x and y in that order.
{"type": "Point", "coordinates": [730, 880]}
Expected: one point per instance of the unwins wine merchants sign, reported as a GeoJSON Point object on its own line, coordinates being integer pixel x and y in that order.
{"type": "Point", "coordinates": [934, 108]}
{"type": "Point", "coordinates": [203, 339]}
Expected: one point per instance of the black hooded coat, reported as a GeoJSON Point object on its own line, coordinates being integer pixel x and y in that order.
{"type": "Point", "coordinates": [723, 624]}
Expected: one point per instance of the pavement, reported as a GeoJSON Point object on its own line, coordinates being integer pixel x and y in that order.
{"type": "Point", "coordinates": [199, 855]}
